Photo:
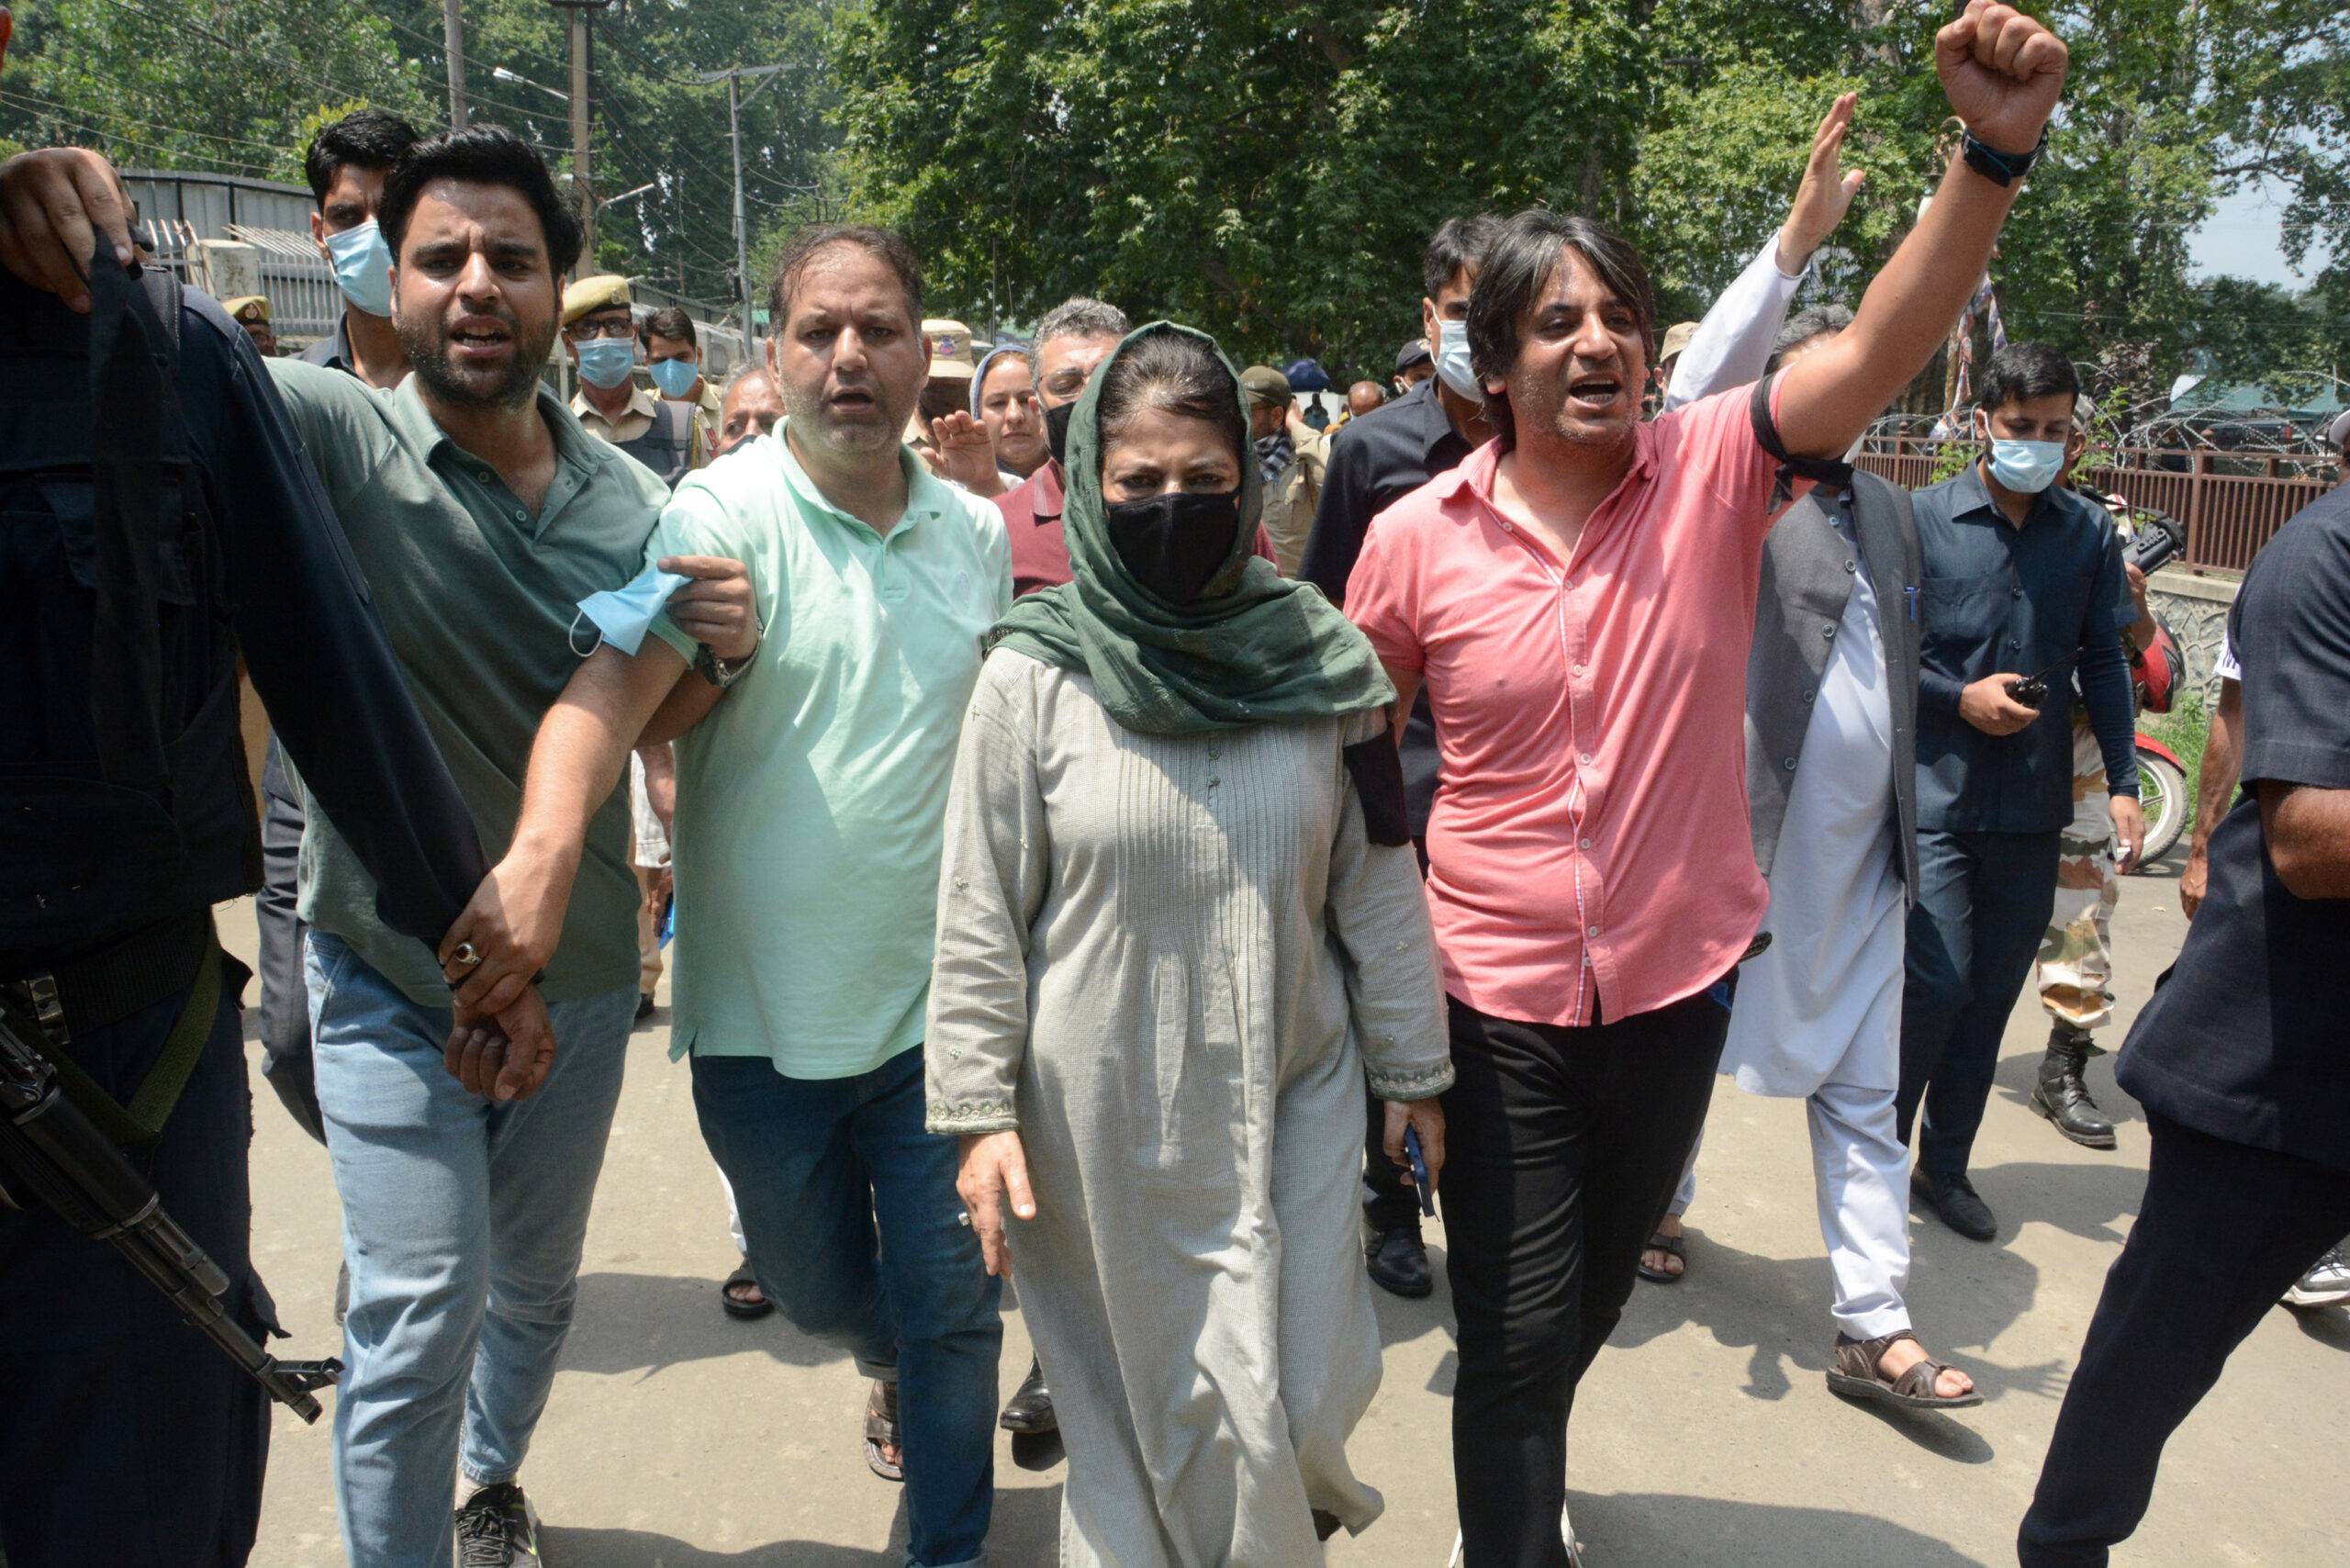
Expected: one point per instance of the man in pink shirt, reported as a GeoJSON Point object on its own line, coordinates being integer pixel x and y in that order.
{"type": "Point", "coordinates": [1578, 597]}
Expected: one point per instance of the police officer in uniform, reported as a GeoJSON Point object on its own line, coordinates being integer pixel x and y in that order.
{"type": "Point", "coordinates": [250, 312]}
{"type": "Point", "coordinates": [600, 332]}
{"type": "Point", "coordinates": [157, 519]}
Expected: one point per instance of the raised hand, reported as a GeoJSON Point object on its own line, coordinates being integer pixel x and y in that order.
{"type": "Point", "coordinates": [965, 453]}
{"type": "Point", "coordinates": [56, 205]}
{"type": "Point", "coordinates": [2002, 73]}
{"type": "Point", "coordinates": [1826, 194]}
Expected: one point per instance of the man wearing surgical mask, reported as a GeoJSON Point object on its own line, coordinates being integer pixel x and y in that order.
{"type": "Point", "coordinates": [2021, 595]}
{"type": "Point", "coordinates": [1375, 461]}
{"type": "Point", "coordinates": [600, 329]}
{"type": "Point", "coordinates": [673, 358]}
{"type": "Point", "coordinates": [346, 163]}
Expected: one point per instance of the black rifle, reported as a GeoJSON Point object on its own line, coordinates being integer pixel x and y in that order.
{"type": "Point", "coordinates": [53, 1152]}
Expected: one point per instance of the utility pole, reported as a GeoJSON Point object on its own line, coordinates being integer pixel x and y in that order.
{"type": "Point", "coordinates": [733, 77]}
{"type": "Point", "coordinates": [452, 44]}
{"type": "Point", "coordinates": [582, 191]}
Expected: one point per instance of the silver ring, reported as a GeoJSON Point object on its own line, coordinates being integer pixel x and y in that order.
{"type": "Point", "coordinates": [964, 1219]}
{"type": "Point", "coordinates": [467, 955]}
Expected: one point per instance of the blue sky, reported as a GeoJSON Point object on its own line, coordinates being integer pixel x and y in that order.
{"type": "Point", "coordinates": [2242, 238]}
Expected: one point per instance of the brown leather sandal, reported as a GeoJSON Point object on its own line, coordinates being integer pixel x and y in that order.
{"type": "Point", "coordinates": [882, 1433]}
{"type": "Point", "coordinates": [1855, 1376]}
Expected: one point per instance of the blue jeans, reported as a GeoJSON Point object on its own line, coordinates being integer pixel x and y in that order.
{"type": "Point", "coordinates": [462, 1223]}
{"type": "Point", "coordinates": [856, 1235]}
{"type": "Point", "coordinates": [1983, 901]}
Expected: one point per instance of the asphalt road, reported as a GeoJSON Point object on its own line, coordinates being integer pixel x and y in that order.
{"type": "Point", "coordinates": [680, 1439]}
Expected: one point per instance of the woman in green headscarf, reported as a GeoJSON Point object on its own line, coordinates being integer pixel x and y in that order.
{"type": "Point", "coordinates": [1180, 922]}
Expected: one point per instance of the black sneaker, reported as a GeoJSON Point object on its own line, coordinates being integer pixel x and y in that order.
{"type": "Point", "coordinates": [498, 1529]}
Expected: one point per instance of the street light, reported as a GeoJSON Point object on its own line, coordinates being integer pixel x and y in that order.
{"type": "Point", "coordinates": [627, 195]}
{"type": "Point", "coordinates": [501, 73]}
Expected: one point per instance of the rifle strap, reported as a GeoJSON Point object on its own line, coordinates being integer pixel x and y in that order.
{"type": "Point", "coordinates": [151, 1106]}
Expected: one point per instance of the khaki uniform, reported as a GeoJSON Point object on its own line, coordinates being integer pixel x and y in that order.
{"type": "Point", "coordinates": [635, 420]}
{"type": "Point", "coordinates": [1289, 506]}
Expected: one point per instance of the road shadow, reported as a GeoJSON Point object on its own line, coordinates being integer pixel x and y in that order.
{"type": "Point", "coordinates": [1402, 1321]}
{"type": "Point", "coordinates": [1777, 1311]}
{"type": "Point", "coordinates": [1026, 1529]}
{"type": "Point", "coordinates": [1646, 1526]}
{"type": "Point", "coordinates": [2089, 1201]}
{"type": "Point", "coordinates": [2328, 1326]}
{"type": "Point", "coordinates": [642, 1323]}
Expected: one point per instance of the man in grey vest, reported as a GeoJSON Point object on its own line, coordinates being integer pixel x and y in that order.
{"type": "Point", "coordinates": [1831, 708]}
{"type": "Point", "coordinates": [600, 329]}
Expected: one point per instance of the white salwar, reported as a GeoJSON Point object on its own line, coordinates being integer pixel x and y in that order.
{"type": "Point", "coordinates": [1818, 1011]}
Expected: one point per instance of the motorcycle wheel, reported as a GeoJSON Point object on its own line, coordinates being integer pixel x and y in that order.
{"type": "Point", "coordinates": [2161, 795]}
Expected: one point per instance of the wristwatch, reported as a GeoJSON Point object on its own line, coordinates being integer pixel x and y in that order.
{"type": "Point", "coordinates": [2001, 168]}
{"type": "Point", "coordinates": [722, 672]}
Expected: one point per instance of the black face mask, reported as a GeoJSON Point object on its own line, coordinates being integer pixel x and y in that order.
{"type": "Point", "coordinates": [1056, 430]}
{"type": "Point", "coordinates": [1174, 544]}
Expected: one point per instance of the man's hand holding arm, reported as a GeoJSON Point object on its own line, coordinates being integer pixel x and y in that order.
{"type": "Point", "coordinates": [2003, 73]}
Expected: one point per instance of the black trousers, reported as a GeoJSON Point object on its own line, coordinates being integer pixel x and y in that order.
{"type": "Point", "coordinates": [1562, 1148]}
{"type": "Point", "coordinates": [286, 1060]}
{"type": "Point", "coordinates": [1983, 903]}
{"type": "Point", "coordinates": [2222, 1232]}
{"type": "Point", "coordinates": [126, 1438]}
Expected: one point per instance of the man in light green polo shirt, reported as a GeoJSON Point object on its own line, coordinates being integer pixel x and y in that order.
{"type": "Point", "coordinates": [834, 673]}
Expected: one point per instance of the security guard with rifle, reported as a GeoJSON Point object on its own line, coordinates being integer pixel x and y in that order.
{"type": "Point", "coordinates": [157, 519]}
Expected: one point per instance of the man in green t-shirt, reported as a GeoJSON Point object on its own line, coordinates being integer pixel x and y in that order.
{"type": "Point", "coordinates": [841, 617]}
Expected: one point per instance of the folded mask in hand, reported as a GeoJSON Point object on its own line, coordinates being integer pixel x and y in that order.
{"type": "Point", "coordinates": [624, 615]}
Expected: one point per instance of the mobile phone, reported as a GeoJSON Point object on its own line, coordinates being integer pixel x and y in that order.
{"type": "Point", "coordinates": [1420, 1169]}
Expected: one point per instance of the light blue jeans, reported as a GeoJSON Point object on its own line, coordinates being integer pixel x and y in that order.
{"type": "Point", "coordinates": [462, 1223]}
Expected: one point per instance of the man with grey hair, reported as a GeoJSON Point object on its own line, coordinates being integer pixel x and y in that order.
{"type": "Point", "coordinates": [1075, 336]}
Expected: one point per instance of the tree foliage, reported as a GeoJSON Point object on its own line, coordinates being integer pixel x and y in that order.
{"type": "Point", "coordinates": [237, 86]}
{"type": "Point", "coordinates": [1272, 173]}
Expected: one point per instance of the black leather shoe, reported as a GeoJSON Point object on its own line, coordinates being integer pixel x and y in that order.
{"type": "Point", "coordinates": [1398, 1261]}
{"type": "Point", "coordinates": [1030, 1408]}
{"type": "Point", "coordinates": [2063, 1099]}
{"type": "Point", "coordinates": [1956, 1200]}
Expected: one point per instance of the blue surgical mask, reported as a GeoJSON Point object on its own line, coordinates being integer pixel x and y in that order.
{"type": "Point", "coordinates": [2027, 467]}
{"type": "Point", "coordinates": [625, 614]}
{"type": "Point", "coordinates": [1452, 360]}
{"type": "Point", "coordinates": [675, 376]}
{"type": "Point", "coordinates": [363, 267]}
{"type": "Point", "coordinates": [606, 361]}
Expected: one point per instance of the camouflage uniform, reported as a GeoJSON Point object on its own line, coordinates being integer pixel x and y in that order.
{"type": "Point", "coordinates": [2076, 950]}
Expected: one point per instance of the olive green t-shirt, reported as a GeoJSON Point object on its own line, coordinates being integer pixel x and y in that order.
{"type": "Point", "coordinates": [477, 598]}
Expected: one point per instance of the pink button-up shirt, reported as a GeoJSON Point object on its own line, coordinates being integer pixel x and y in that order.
{"type": "Point", "coordinates": [1588, 846]}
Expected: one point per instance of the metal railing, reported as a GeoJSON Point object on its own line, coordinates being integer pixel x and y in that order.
{"type": "Point", "coordinates": [2233, 503]}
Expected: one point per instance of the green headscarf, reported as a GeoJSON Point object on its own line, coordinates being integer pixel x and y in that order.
{"type": "Point", "coordinates": [1256, 648]}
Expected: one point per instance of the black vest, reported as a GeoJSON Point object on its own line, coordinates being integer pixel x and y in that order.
{"type": "Point", "coordinates": [123, 791]}
{"type": "Point", "coordinates": [668, 445]}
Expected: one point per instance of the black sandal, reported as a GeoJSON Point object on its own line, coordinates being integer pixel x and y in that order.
{"type": "Point", "coordinates": [1675, 1245]}
{"type": "Point", "coordinates": [737, 1307]}
{"type": "Point", "coordinates": [881, 1431]}
{"type": "Point", "coordinates": [1855, 1375]}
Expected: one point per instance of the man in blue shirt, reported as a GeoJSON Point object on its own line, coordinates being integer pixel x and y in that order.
{"type": "Point", "coordinates": [2021, 593]}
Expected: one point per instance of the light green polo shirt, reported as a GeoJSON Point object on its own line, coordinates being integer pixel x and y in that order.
{"type": "Point", "coordinates": [477, 597]}
{"type": "Point", "coordinates": [812, 804]}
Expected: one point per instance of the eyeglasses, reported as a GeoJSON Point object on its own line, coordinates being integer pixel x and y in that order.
{"type": "Point", "coordinates": [585, 330]}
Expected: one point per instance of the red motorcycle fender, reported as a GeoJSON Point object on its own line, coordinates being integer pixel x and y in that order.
{"type": "Point", "coordinates": [2147, 742]}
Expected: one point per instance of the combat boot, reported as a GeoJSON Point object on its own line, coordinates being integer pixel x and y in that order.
{"type": "Point", "coordinates": [2062, 1098]}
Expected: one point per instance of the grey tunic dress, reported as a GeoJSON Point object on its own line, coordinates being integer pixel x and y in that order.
{"type": "Point", "coordinates": [1168, 961]}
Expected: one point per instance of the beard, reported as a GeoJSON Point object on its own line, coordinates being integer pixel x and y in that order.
{"type": "Point", "coordinates": [426, 344]}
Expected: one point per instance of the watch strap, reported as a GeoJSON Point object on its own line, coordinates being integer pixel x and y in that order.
{"type": "Point", "coordinates": [2001, 168]}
